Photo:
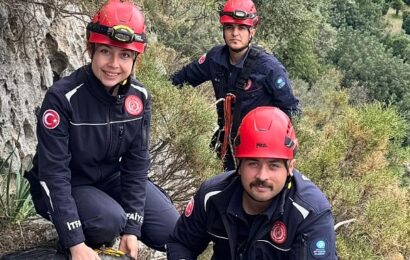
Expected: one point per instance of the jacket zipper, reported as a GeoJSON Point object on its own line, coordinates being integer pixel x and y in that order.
{"type": "Point", "coordinates": [304, 241]}
{"type": "Point", "coordinates": [108, 141]}
{"type": "Point", "coordinates": [121, 128]}
{"type": "Point", "coordinates": [120, 135]}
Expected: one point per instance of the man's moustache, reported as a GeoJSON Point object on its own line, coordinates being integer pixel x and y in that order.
{"type": "Point", "coordinates": [261, 183]}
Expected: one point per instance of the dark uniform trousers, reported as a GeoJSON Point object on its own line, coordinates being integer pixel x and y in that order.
{"type": "Point", "coordinates": [103, 218]}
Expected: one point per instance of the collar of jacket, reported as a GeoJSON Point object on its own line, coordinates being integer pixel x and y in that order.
{"type": "Point", "coordinates": [221, 57]}
{"type": "Point", "coordinates": [99, 91]}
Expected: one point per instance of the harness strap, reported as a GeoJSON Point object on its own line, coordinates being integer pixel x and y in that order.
{"type": "Point", "coordinates": [241, 85]}
{"type": "Point", "coordinates": [232, 114]}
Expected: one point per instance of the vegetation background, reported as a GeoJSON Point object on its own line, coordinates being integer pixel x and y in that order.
{"type": "Point", "coordinates": [349, 61]}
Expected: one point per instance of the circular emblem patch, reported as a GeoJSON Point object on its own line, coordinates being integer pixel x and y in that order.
{"type": "Point", "coordinates": [319, 248]}
{"type": "Point", "coordinates": [248, 84]}
{"type": "Point", "coordinates": [189, 208]}
{"type": "Point", "coordinates": [51, 119]}
{"type": "Point", "coordinates": [133, 105]}
{"type": "Point", "coordinates": [280, 82]}
{"type": "Point", "coordinates": [202, 59]}
{"type": "Point", "coordinates": [278, 233]}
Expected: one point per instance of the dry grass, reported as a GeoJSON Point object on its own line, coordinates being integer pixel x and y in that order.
{"type": "Point", "coordinates": [393, 22]}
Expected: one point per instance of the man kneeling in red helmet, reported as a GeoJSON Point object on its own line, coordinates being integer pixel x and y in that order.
{"type": "Point", "coordinates": [265, 209]}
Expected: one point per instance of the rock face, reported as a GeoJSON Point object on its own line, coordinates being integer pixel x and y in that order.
{"type": "Point", "coordinates": [38, 45]}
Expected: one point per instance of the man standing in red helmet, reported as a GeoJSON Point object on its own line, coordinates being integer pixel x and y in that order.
{"type": "Point", "coordinates": [266, 209]}
{"type": "Point", "coordinates": [243, 76]}
{"type": "Point", "coordinates": [90, 170]}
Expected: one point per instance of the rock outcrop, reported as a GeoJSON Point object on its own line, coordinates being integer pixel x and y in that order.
{"type": "Point", "coordinates": [38, 45]}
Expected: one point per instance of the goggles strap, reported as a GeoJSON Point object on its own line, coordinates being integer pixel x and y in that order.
{"type": "Point", "coordinates": [236, 15]}
{"type": "Point", "coordinates": [107, 31]}
{"type": "Point", "coordinates": [97, 28]}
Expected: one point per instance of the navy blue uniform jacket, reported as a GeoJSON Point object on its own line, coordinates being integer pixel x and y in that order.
{"type": "Point", "coordinates": [268, 83]}
{"type": "Point", "coordinates": [87, 136]}
{"type": "Point", "coordinates": [298, 224]}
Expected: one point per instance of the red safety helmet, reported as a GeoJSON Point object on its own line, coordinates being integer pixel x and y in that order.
{"type": "Point", "coordinates": [118, 23]}
{"type": "Point", "coordinates": [239, 12]}
{"type": "Point", "coordinates": [266, 132]}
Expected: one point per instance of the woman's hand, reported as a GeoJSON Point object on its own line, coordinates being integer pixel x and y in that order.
{"type": "Point", "coordinates": [129, 244]}
{"type": "Point", "coordinates": [83, 252]}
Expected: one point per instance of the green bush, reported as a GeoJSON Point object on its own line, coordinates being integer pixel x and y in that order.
{"type": "Point", "coordinates": [397, 5]}
{"type": "Point", "coordinates": [398, 44]}
{"type": "Point", "coordinates": [182, 125]}
{"type": "Point", "coordinates": [360, 15]}
{"type": "Point", "coordinates": [406, 22]}
{"type": "Point", "coordinates": [15, 198]}
{"type": "Point", "coordinates": [354, 155]}
{"type": "Point", "coordinates": [189, 27]}
{"type": "Point", "coordinates": [291, 29]}
{"type": "Point", "coordinates": [365, 62]}
{"type": "Point", "coordinates": [385, 8]}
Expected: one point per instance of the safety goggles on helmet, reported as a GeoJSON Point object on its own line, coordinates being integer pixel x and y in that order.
{"type": "Point", "coordinates": [238, 14]}
{"type": "Point", "coordinates": [120, 33]}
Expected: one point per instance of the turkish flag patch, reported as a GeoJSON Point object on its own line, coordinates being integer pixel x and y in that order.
{"type": "Point", "coordinates": [279, 233]}
{"type": "Point", "coordinates": [51, 119]}
{"type": "Point", "coordinates": [133, 105]}
{"type": "Point", "coordinates": [202, 59]}
{"type": "Point", "coordinates": [189, 208]}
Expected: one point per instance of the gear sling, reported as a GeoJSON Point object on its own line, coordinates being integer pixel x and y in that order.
{"type": "Point", "coordinates": [229, 118]}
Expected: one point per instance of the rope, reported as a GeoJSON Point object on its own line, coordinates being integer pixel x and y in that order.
{"type": "Point", "coordinates": [228, 122]}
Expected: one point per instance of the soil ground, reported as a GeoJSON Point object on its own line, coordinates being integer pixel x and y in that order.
{"type": "Point", "coordinates": [23, 236]}
{"type": "Point", "coordinates": [40, 235]}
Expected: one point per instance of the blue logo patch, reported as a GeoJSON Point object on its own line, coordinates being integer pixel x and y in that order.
{"type": "Point", "coordinates": [321, 244]}
{"type": "Point", "coordinates": [280, 82]}
{"type": "Point", "coordinates": [318, 248]}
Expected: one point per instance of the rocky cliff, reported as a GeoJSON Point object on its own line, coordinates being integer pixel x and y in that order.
{"type": "Point", "coordinates": [39, 43]}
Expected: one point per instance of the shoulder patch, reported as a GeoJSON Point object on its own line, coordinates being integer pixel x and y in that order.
{"type": "Point", "coordinates": [133, 105]}
{"type": "Point", "coordinates": [189, 208]}
{"type": "Point", "coordinates": [280, 82]}
{"type": "Point", "coordinates": [202, 58]}
{"type": "Point", "coordinates": [51, 119]}
{"type": "Point", "coordinates": [319, 248]}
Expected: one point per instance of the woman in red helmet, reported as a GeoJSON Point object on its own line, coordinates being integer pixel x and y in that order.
{"type": "Point", "coordinates": [90, 170]}
{"type": "Point", "coordinates": [265, 209]}
{"type": "Point", "coordinates": [243, 76]}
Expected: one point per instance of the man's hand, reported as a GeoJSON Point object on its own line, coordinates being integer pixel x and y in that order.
{"type": "Point", "coordinates": [83, 252]}
{"type": "Point", "coordinates": [129, 244]}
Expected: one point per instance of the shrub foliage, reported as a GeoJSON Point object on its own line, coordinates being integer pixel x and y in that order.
{"type": "Point", "coordinates": [182, 125]}
{"type": "Point", "coordinates": [352, 153]}
{"type": "Point", "coordinates": [15, 198]}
